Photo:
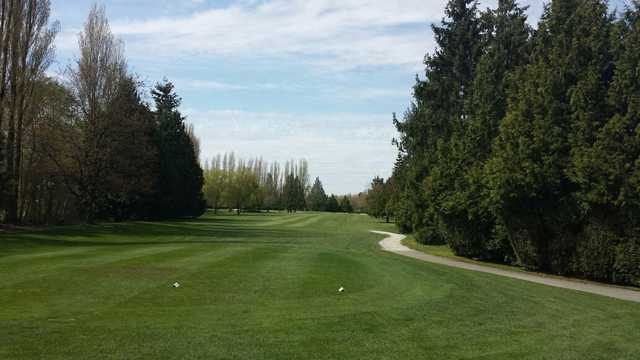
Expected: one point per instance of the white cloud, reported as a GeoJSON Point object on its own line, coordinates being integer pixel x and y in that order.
{"type": "Point", "coordinates": [225, 86]}
{"type": "Point", "coordinates": [334, 34]}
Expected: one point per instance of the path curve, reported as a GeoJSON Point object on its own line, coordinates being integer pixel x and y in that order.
{"type": "Point", "coordinates": [393, 243]}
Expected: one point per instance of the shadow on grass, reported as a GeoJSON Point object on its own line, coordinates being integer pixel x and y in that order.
{"type": "Point", "coordinates": [197, 231]}
{"type": "Point", "coordinates": [27, 241]}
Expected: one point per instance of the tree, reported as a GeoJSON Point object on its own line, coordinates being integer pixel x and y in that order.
{"type": "Point", "coordinates": [317, 197]}
{"type": "Point", "coordinates": [332, 204]}
{"type": "Point", "coordinates": [26, 43]}
{"type": "Point", "coordinates": [432, 130]}
{"type": "Point", "coordinates": [179, 188]}
{"type": "Point", "coordinates": [605, 161]}
{"type": "Point", "coordinates": [214, 184]}
{"type": "Point", "coordinates": [133, 162]}
{"type": "Point", "coordinates": [94, 83]}
{"type": "Point", "coordinates": [505, 49]}
{"type": "Point", "coordinates": [376, 198]}
{"type": "Point", "coordinates": [294, 188]}
{"type": "Point", "coordinates": [530, 170]}
{"type": "Point", "coordinates": [45, 198]}
{"type": "Point", "coordinates": [241, 188]}
{"type": "Point", "coordinates": [345, 205]}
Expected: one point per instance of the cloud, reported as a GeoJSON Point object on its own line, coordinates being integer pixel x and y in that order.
{"type": "Point", "coordinates": [339, 35]}
{"type": "Point", "coordinates": [323, 90]}
{"type": "Point", "coordinates": [225, 86]}
{"type": "Point", "coordinates": [335, 35]}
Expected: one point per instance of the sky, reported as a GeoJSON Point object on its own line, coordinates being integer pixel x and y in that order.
{"type": "Point", "coordinates": [280, 79]}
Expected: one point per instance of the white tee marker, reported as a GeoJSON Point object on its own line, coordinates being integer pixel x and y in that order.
{"type": "Point", "coordinates": [176, 284]}
{"type": "Point", "coordinates": [341, 289]}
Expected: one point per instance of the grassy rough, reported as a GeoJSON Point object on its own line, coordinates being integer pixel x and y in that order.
{"type": "Point", "coordinates": [265, 287]}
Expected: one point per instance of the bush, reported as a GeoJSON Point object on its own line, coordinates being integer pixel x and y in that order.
{"type": "Point", "coordinates": [595, 253]}
{"type": "Point", "coordinates": [627, 262]}
{"type": "Point", "coordinates": [429, 235]}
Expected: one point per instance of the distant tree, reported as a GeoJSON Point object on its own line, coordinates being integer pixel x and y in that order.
{"type": "Point", "coordinates": [317, 197]}
{"type": "Point", "coordinates": [376, 199]}
{"type": "Point", "coordinates": [293, 193]}
{"type": "Point", "coordinates": [214, 184]}
{"type": "Point", "coordinates": [359, 202]}
{"type": "Point", "coordinates": [272, 191]}
{"type": "Point", "coordinates": [345, 205]}
{"type": "Point", "coordinates": [332, 204]}
{"type": "Point", "coordinates": [289, 193]}
{"type": "Point", "coordinates": [241, 188]}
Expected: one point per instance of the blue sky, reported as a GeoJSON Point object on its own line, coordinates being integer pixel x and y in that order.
{"type": "Point", "coordinates": [281, 79]}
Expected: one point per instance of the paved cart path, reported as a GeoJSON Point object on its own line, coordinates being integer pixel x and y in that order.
{"type": "Point", "coordinates": [393, 243]}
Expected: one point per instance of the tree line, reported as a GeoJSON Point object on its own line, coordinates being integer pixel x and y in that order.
{"type": "Point", "coordinates": [87, 146]}
{"type": "Point", "coordinates": [522, 145]}
{"type": "Point", "coordinates": [253, 185]}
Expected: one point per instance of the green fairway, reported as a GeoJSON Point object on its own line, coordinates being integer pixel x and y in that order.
{"type": "Point", "coordinates": [264, 286]}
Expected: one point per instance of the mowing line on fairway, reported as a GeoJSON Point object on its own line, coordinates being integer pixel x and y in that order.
{"type": "Point", "coordinates": [9, 259]}
{"type": "Point", "coordinates": [306, 222]}
{"type": "Point", "coordinates": [287, 220]}
{"type": "Point", "coordinates": [122, 253]}
{"type": "Point", "coordinates": [392, 243]}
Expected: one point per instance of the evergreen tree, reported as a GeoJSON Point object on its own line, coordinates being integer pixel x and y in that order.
{"type": "Point", "coordinates": [606, 157]}
{"type": "Point", "coordinates": [290, 192]}
{"type": "Point", "coordinates": [345, 205]}
{"type": "Point", "coordinates": [332, 204]}
{"type": "Point", "coordinates": [505, 35]}
{"type": "Point", "coordinates": [375, 197]}
{"type": "Point", "coordinates": [532, 156]}
{"type": "Point", "coordinates": [133, 162]}
{"type": "Point", "coordinates": [179, 187]}
{"type": "Point", "coordinates": [433, 127]}
{"type": "Point", "coordinates": [317, 197]}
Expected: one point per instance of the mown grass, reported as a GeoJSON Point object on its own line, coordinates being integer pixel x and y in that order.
{"type": "Point", "coordinates": [263, 286]}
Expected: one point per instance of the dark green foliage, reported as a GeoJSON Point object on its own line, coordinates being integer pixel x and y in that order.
{"type": "Point", "coordinates": [524, 148]}
{"type": "Point", "coordinates": [376, 201]}
{"type": "Point", "coordinates": [551, 122]}
{"type": "Point", "coordinates": [178, 191]}
{"type": "Point", "coordinates": [317, 197]}
{"type": "Point", "coordinates": [432, 132]}
{"type": "Point", "coordinates": [293, 193]}
{"type": "Point", "coordinates": [627, 261]}
{"type": "Point", "coordinates": [332, 204]}
{"type": "Point", "coordinates": [345, 205]}
{"type": "Point", "coordinates": [134, 162]}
